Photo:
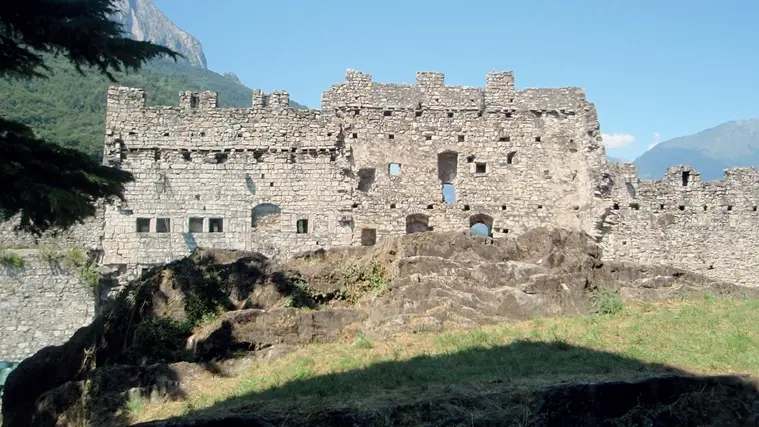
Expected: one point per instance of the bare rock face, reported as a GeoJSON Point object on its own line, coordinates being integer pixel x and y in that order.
{"type": "Point", "coordinates": [144, 21]}
{"type": "Point", "coordinates": [422, 281]}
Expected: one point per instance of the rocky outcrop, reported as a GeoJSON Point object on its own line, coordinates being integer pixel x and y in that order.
{"type": "Point", "coordinates": [144, 21]}
{"type": "Point", "coordinates": [422, 281]}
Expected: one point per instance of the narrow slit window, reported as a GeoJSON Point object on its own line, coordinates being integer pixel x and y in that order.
{"type": "Point", "coordinates": [449, 193]}
{"type": "Point", "coordinates": [686, 178]}
{"type": "Point", "coordinates": [194, 101]}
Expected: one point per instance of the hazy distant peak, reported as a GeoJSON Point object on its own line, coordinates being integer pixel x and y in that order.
{"type": "Point", "coordinates": [144, 21]}
{"type": "Point", "coordinates": [710, 151]}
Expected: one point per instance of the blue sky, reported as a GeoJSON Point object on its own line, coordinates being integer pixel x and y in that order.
{"type": "Point", "coordinates": [656, 69]}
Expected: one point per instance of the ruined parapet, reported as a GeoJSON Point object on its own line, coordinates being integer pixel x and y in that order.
{"type": "Point", "coordinates": [121, 98]}
{"type": "Point", "coordinates": [499, 91]}
{"type": "Point", "coordinates": [198, 124]}
{"type": "Point", "coordinates": [198, 100]}
{"type": "Point", "coordinates": [278, 99]}
{"type": "Point", "coordinates": [704, 226]}
{"type": "Point", "coordinates": [431, 92]}
{"type": "Point", "coordinates": [569, 99]}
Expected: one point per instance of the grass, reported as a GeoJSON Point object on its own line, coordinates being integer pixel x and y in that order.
{"type": "Point", "coordinates": [700, 336]}
{"type": "Point", "coordinates": [10, 259]}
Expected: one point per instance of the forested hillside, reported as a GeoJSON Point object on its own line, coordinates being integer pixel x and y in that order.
{"type": "Point", "coordinates": [69, 109]}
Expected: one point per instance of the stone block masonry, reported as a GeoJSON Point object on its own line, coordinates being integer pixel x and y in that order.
{"type": "Point", "coordinates": [383, 159]}
{"type": "Point", "coordinates": [377, 160]}
{"type": "Point", "coordinates": [706, 227]}
{"type": "Point", "coordinates": [41, 304]}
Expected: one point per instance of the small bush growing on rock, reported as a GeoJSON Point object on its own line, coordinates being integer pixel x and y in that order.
{"type": "Point", "coordinates": [358, 282]}
{"type": "Point", "coordinates": [11, 259]}
{"type": "Point", "coordinates": [86, 270]}
{"type": "Point", "coordinates": [50, 251]}
{"type": "Point", "coordinates": [160, 337]}
{"type": "Point", "coordinates": [607, 302]}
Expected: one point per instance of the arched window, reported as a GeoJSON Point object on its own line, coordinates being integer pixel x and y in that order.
{"type": "Point", "coordinates": [481, 225]}
{"type": "Point", "coordinates": [265, 216]}
{"type": "Point", "coordinates": [417, 223]}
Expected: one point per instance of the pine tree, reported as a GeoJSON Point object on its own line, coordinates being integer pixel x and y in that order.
{"type": "Point", "coordinates": [51, 187]}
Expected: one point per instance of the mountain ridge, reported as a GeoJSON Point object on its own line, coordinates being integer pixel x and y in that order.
{"type": "Point", "coordinates": [710, 151]}
{"type": "Point", "coordinates": [144, 21]}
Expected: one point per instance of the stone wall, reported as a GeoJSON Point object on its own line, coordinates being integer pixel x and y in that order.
{"type": "Point", "coordinates": [41, 304]}
{"type": "Point", "coordinates": [706, 227]}
{"type": "Point", "coordinates": [88, 234]}
{"type": "Point", "coordinates": [371, 163]}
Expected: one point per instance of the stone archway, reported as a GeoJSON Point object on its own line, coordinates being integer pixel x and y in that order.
{"type": "Point", "coordinates": [481, 225]}
{"type": "Point", "coordinates": [265, 216]}
{"type": "Point", "coordinates": [417, 223]}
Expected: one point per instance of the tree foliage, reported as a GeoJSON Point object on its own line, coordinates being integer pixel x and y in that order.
{"type": "Point", "coordinates": [48, 185]}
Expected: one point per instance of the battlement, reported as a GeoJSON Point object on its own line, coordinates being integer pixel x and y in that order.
{"type": "Point", "coordinates": [684, 221]}
{"type": "Point", "coordinates": [278, 99]}
{"type": "Point", "coordinates": [430, 92]}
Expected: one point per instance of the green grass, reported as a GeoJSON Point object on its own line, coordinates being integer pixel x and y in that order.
{"type": "Point", "coordinates": [704, 336]}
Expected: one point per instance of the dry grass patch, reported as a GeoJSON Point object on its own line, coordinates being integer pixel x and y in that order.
{"type": "Point", "coordinates": [705, 336]}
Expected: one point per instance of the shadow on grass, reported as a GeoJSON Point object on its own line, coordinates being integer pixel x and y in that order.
{"type": "Point", "coordinates": [525, 383]}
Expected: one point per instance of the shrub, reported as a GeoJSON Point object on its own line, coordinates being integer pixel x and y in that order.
{"type": "Point", "coordinates": [607, 302]}
{"type": "Point", "coordinates": [357, 282]}
{"type": "Point", "coordinates": [11, 259]}
{"type": "Point", "coordinates": [87, 271]}
{"type": "Point", "coordinates": [50, 251]}
{"type": "Point", "coordinates": [160, 337]}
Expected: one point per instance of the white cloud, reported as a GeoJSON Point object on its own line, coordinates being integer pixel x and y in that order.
{"type": "Point", "coordinates": [617, 140]}
{"type": "Point", "coordinates": [656, 140]}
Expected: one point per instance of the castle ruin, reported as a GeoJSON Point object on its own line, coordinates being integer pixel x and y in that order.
{"type": "Point", "coordinates": [382, 160]}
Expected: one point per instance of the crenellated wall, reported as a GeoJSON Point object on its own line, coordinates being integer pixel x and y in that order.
{"type": "Point", "coordinates": [707, 227]}
{"type": "Point", "coordinates": [364, 167]}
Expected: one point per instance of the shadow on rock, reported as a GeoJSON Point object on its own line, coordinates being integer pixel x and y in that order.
{"type": "Point", "coordinates": [524, 383]}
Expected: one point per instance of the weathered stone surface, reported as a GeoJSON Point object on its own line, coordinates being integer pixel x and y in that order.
{"type": "Point", "coordinates": [682, 221]}
{"type": "Point", "coordinates": [41, 304]}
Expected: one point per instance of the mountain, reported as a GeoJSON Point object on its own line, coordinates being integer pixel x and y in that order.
{"type": "Point", "coordinates": [615, 159]}
{"type": "Point", "coordinates": [144, 21]}
{"type": "Point", "coordinates": [710, 151]}
{"type": "Point", "coordinates": [69, 109]}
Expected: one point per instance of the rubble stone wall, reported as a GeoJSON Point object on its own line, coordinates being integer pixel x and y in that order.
{"type": "Point", "coordinates": [371, 163]}
{"type": "Point", "coordinates": [706, 227]}
{"type": "Point", "coordinates": [42, 303]}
